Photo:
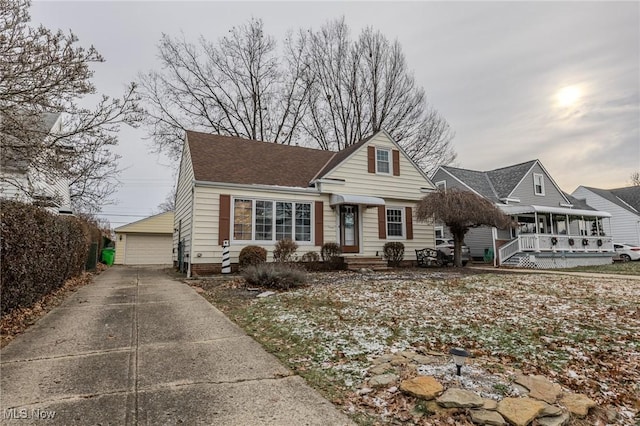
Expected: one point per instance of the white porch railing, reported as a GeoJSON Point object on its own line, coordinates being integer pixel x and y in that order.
{"type": "Point", "coordinates": [508, 250]}
{"type": "Point", "coordinates": [555, 243]}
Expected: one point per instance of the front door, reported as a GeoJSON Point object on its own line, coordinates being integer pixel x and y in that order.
{"type": "Point", "coordinates": [349, 238]}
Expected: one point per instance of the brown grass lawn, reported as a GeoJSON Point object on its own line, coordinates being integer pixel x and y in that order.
{"type": "Point", "coordinates": [583, 333]}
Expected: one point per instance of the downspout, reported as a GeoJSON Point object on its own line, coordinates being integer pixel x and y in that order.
{"type": "Point", "coordinates": [193, 196]}
{"type": "Point", "coordinates": [494, 234]}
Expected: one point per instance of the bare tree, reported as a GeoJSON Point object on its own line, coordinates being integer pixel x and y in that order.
{"type": "Point", "coordinates": [237, 86]}
{"type": "Point", "coordinates": [169, 203]}
{"type": "Point", "coordinates": [635, 178]}
{"type": "Point", "coordinates": [361, 87]}
{"type": "Point", "coordinates": [460, 211]}
{"type": "Point", "coordinates": [323, 89]}
{"type": "Point", "coordinates": [46, 72]}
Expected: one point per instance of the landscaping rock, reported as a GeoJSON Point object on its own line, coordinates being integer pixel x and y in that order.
{"type": "Point", "coordinates": [433, 408]}
{"type": "Point", "coordinates": [554, 421]}
{"type": "Point", "coordinates": [383, 359]}
{"type": "Point", "coordinates": [380, 369]}
{"type": "Point", "coordinates": [460, 398]}
{"type": "Point", "coordinates": [520, 390]}
{"type": "Point", "coordinates": [266, 294]}
{"type": "Point", "coordinates": [407, 354]}
{"type": "Point", "coordinates": [425, 360]}
{"type": "Point", "coordinates": [540, 387]}
{"type": "Point", "coordinates": [550, 411]}
{"type": "Point", "coordinates": [365, 271]}
{"type": "Point", "coordinates": [399, 360]}
{"type": "Point", "coordinates": [489, 404]}
{"type": "Point", "coordinates": [520, 411]}
{"type": "Point", "coordinates": [383, 380]}
{"type": "Point", "coordinates": [486, 417]}
{"type": "Point", "coordinates": [577, 403]}
{"type": "Point", "coordinates": [424, 387]}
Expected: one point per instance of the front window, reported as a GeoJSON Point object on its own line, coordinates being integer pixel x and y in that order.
{"type": "Point", "coordinates": [382, 161]}
{"type": "Point", "coordinates": [242, 219]}
{"type": "Point", "coordinates": [284, 220]}
{"type": "Point", "coordinates": [394, 222]}
{"type": "Point", "coordinates": [538, 184]}
{"type": "Point", "coordinates": [439, 231]}
{"type": "Point", "coordinates": [303, 222]}
{"type": "Point", "coordinates": [267, 220]}
{"type": "Point", "coordinates": [264, 220]}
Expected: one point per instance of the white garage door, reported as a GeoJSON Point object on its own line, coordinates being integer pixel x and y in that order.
{"type": "Point", "coordinates": [148, 250]}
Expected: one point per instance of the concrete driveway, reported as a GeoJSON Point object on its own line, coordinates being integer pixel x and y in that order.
{"type": "Point", "coordinates": [136, 347]}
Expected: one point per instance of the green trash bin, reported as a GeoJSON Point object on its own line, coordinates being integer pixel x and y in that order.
{"type": "Point", "coordinates": [108, 256]}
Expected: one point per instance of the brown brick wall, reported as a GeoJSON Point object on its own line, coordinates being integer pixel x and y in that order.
{"type": "Point", "coordinates": [205, 269]}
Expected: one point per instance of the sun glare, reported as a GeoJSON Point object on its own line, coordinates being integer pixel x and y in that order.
{"type": "Point", "coordinates": [568, 96]}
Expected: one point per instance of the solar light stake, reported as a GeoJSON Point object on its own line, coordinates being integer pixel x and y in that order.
{"type": "Point", "coordinates": [459, 358]}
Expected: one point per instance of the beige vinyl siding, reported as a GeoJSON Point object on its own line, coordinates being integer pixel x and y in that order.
{"type": "Point", "coordinates": [158, 224]}
{"type": "Point", "coordinates": [359, 182]}
{"type": "Point", "coordinates": [397, 191]}
{"type": "Point", "coordinates": [625, 225]}
{"type": "Point", "coordinates": [525, 192]}
{"type": "Point", "coordinates": [205, 225]}
{"type": "Point", "coordinates": [183, 205]}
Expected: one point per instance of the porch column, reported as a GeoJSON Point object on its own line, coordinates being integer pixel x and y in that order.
{"type": "Point", "coordinates": [568, 226]}
{"type": "Point", "coordinates": [537, 236]}
{"type": "Point", "coordinates": [598, 232]}
{"type": "Point", "coordinates": [553, 248]}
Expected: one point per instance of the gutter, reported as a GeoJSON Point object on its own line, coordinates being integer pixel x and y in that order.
{"type": "Point", "coordinates": [263, 188]}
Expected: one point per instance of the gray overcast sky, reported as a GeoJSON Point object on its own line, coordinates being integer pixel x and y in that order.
{"type": "Point", "coordinates": [495, 70]}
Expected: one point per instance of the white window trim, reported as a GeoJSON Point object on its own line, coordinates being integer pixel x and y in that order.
{"type": "Point", "coordinates": [443, 183]}
{"type": "Point", "coordinates": [273, 240]}
{"type": "Point", "coordinates": [541, 176]}
{"type": "Point", "coordinates": [390, 160]}
{"type": "Point", "coordinates": [435, 232]}
{"type": "Point", "coordinates": [404, 226]}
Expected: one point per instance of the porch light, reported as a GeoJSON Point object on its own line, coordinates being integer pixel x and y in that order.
{"type": "Point", "coordinates": [459, 358]}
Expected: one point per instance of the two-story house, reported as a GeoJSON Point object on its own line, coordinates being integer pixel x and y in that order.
{"type": "Point", "coordinates": [551, 229]}
{"type": "Point", "coordinates": [247, 192]}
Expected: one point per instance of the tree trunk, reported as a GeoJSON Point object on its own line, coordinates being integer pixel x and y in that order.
{"type": "Point", "coordinates": [458, 239]}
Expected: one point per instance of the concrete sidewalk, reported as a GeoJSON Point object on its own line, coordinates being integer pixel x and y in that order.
{"type": "Point", "coordinates": [136, 347]}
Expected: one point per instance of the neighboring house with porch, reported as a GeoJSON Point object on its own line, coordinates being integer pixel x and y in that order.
{"type": "Point", "coordinates": [255, 193]}
{"type": "Point", "coordinates": [624, 206]}
{"type": "Point", "coordinates": [21, 183]}
{"type": "Point", "coordinates": [552, 229]}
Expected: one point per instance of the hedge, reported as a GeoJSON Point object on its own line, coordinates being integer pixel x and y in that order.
{"type": "Point", "coordinates": [39, 252]}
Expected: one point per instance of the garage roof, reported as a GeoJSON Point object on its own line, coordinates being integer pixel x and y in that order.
{"type": "Point", "coordinates": [159, 224]}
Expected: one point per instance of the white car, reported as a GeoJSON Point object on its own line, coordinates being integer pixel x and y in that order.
{"type": "Point", "coordinates": [446, 247]}
{"type": "Point", "coordinates": [627, 252]}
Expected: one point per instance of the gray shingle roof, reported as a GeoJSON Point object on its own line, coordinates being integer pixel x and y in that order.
{"type": "Point", "coordinates": [494, 184]}
{"type": "Point", "coordinates": [628, 197]}
{"type": "Point", "coordinates": [478, 181]}
{"type": "Point", "coordinates": [507, 178]}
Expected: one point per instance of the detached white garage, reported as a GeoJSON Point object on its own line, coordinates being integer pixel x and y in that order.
{"type": "Point", "coordinates": [146, 242]}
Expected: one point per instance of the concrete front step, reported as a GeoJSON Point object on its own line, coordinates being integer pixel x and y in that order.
{"type": "Point", "coordinates": [375, 263]}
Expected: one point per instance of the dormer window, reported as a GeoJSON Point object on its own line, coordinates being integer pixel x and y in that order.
{"type": "Point", "coordinates": [538, 184]}
{"type": "Point", "coordinates": [441, 185]}
{"type": "Point", "coordinates": [383, 161]}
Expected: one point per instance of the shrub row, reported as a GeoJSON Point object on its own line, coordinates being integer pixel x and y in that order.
{"type": "Point", "coordinates": [39, 252]}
